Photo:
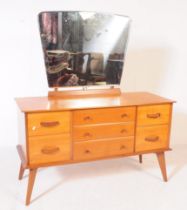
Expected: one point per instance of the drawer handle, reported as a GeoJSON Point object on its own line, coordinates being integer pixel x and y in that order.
{"type": "Point", "coordinates": [49, 124]}
{"type": "Point", "coordinates": [123, 147]}
{"type": "Point", "coordinates": [124, 115]}
{"type": "Point", "coordinates": [87, 135]}
{"type": "Point", "coordinates": [50, 150]}
{"type": "Point", "coordinates": [123, 131]}
{"type": "Point", "coordinates": [87, 118]}
{"type": "Point", "coordinates": [154, 116]}
{"type": "Point", "coordinates": [87, 151]}
{"type": "Point", "coordinates": [152, 138]}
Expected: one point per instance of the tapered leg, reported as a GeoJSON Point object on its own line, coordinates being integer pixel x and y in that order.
{"type": "Point", "coordinates": [21, 171]}
{"type": "Point", "coordinates": [162, 164]}
{"type": "Point", "coordinates": [31, 180]}
{"type": "Point", "coordinates": [140, 158]}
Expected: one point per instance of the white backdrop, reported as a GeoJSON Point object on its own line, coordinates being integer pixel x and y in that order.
{"type": "Point", "coordinates": [156, 58]}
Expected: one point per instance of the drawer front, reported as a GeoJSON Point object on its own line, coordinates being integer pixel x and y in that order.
{"type": "Point", "coordinates": [151, 138]}
{"type": "Point", "coordinates": [96, 116]}
{"type": "Point", "coordinates": [48, 123]}
{"type": "Point", "coordinates": [84, 133]}
{"type": "Point", "coordinates": [103, 148]}
{"type": "Point", "coordinates": [152, 115]}
{"type": "Point", "coordinates": [49, 149]}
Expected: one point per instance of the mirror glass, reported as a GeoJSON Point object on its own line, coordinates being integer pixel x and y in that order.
{"type": "Point", "coordinates": [83, 48]}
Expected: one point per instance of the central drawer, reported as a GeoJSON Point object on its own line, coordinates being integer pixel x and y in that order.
{"type": "Point", "coordinates": [107, 115]}
{"type": "Point", "coordinates": [91, 132]}
{"type": "Point", "coordinates": [103, 148]}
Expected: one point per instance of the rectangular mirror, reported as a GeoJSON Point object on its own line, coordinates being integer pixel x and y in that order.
{"type": "Point", "coordinates": [83, 48]}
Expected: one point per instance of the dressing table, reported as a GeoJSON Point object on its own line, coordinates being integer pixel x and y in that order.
{"type": "Point", "coordinates": [74, 126]}
{"type": "Point", "coordinates": [57, 131]}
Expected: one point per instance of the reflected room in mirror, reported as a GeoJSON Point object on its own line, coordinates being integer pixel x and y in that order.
{"type": "Point", "coordinates": [83, 48]}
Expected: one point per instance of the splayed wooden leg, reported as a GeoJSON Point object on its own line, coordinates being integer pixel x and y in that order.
{"type": "Point", "coordinates": [21, 171]}
{"type": "Point", "coordinates": [31, 180]}
{"type": "Point", "coordinates": [162, 164]}
{"type": "Point", "coordinates": [140, 158]}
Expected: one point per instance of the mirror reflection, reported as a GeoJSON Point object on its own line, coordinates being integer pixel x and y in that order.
{"type": "Point", "coordinates": [83, 48]}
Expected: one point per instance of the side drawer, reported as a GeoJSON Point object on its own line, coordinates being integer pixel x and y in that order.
{"type": "Point", "coordinates": [151, 138]}
{"type": "Point", "coordinates": [48, 123]}
{"type": "Point", "coordinates": [91, 132]}
{"type": "Point", "coordinates": [49, 149]}
{"type": "Point", "coordinates": [97, 116]}
{"type": "Point", "coordinates": [152, 115]}
{"type": "Point", "coordinates": [103, 148]}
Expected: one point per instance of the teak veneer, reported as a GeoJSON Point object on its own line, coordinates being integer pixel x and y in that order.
{"type": "Point", "coordinates": [58, 130]}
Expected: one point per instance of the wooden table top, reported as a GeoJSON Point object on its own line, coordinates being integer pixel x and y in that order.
{"type": "Point", "coordinates": [45, 104]}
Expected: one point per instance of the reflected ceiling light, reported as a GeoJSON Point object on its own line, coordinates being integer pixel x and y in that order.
{"type": "Point", "coordinates": [86, 15]}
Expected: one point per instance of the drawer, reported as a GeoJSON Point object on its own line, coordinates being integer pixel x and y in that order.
{"type": "Point", "coordinates": [49, 149]}
{"type": "Point", "coordinates": [152, 115]}
{"type": "Point", "coordinates": [96, 116]}
{"type": "Point", "coordinates": [103, 148]}
{"type": "Point", "coordinates": [48, 123]}
{"type": "Point", "coordinates": [84, 133]}
{"type": "Point", "coordinates": [151, 138]}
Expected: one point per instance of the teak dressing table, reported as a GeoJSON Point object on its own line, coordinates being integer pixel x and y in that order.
{"type": "Point", "coordinates": [77, 127]}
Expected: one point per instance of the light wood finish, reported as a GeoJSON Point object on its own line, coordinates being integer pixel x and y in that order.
{"type": "Point", "coordinates": [102, 148]}
{"type": "Point", "coordinates": [97, 116]}
{"type": "Point", "coordinates": [21, 171]}
{"type": "Point", "coordinates": [45, 104]}
{"type": "Point", "coordinates": [84, 93]}
{"type": "Point", "coordinates": [32, 176]}
{"type": "Point", "coordinates": [151, 137]}
{"type": "Point", "coordinates": [72, 161]}
{"type": "Point", "coordinates": [22, 130]}
{"type": "Point", "coordinates": [162, 164]}
{"type": "Point", "coordinates": [52, 148]}
{"type": "Point", "coordinates": [84, 133]}
{"type": "Point", "coordinates": [72, 130]}
{"type": "Point", "coordinates": [140, 158]}
{"type": "Point", "coordinates": [153, 115]}
{"type": "Point", "coordinates": [48, 123]}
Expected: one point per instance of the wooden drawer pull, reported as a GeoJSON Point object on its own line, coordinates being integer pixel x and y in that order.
{"type": "Point", "coordinates": [124, 115]}
{"type": "Point", "coordinates": [123, 131]}
{"type": "Point", "coordinates": [152, 138]}
{"type": "Point", "coordinates": [123, 147]}
{"type": "Point", "coordinates": [153, 116]}
{"type": "Point", "coordinates": [50, 150]}
{"type": "Point", "coordinates": [49, 124]}
{"type": "Point", "coordinates": [87, 151]}
{"type": "Point", "coordinates": [87, 118]}
{"type": "Point", "coordinates": [87, 135]}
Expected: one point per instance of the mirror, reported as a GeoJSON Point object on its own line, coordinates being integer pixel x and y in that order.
{"type": "Point", "coordinates": [83, 48]}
